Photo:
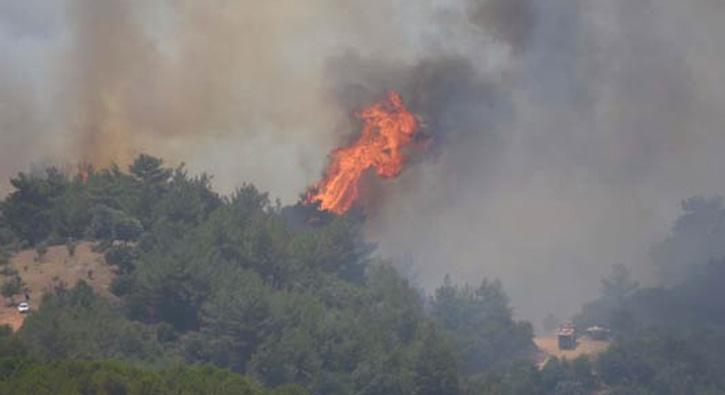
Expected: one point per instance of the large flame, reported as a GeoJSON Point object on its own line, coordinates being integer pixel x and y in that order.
{"type": "Point", "coordinates": [388, 127]}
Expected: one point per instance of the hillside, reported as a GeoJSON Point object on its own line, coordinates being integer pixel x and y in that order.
{"type": "Point", "coordinates": [291, 295]}
{"type": "Point", "coordinates": [284, 294]}
{"type": "Point", "coordinates": [55, 268]}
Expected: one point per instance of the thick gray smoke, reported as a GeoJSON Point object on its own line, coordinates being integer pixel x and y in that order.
{"type": "Point", "coordinates": [512, 21]}
{"type": "Point", "coordinates": [615, 120]}
{"type": "Point", "coordinates": [234, 88]}
{"type": "Point", "coordinates": [563, 133]}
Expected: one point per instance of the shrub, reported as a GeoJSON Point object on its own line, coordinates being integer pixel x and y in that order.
{"type": "Point", "coordinates": [8, 271]}
{"type": "Point", "coordinates": [5, 256]}
{"type": "Point", "coordinates": [12, 287]}
{"type": "Point", "coordinates": [40, 250]}
{"type": "Point", "coordinates": [71, 245]}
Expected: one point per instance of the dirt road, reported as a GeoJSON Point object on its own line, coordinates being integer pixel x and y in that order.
{"type": "Point", "coordinates": [549, 347]}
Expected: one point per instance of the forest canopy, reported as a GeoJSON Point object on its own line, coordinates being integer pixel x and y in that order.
{"type": "Point", "coordinates": [239, 294]}
{"type": "Point", "coordinates": [285, 295]}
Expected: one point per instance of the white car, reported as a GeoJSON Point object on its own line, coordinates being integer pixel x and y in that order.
{"type": "Point", "coordinates": [23, 307]}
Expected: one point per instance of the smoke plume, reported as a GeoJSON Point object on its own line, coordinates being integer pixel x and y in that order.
{"type": "Point", "coordinates": [613, 123]}
{"type": "Point", "coordinates": [562, 133]}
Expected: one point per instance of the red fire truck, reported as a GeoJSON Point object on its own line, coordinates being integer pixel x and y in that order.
{"type": "Point", "coordinates": [567, 336]}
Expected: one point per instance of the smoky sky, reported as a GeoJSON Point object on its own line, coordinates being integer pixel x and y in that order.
{"type": "Point", "coordinates": [511, 21]}
{"type": "Point", "coordinates": [563, 133]}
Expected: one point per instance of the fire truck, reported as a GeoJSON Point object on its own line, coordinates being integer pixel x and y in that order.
{"type": "Point", "coordinates": [567, 336]}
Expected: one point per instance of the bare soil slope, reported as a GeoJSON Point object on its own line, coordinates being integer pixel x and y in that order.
{"type": "Point", "coordinates": [56, 267]}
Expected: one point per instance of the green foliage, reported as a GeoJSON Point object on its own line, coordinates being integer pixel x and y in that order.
{"type": "Point", "coordinates": [611, 309]}
{"type": "Point", "coordinates": [111, 224]}
{"type": "Point", "coordinates": [186, 200]}
{"type": "Point", "coordinates": [40, 250]}
{"type": "Point", "coordinates": [69, 212]}
{"type": "Point", "coordinates": [669, 338]}
{"type": "Point", "coordinates": [107, 205]}
{"type": "Point", "coordinates": [123, 257]}
{"type": "Point", "coordinates": [8, 271]}
{"type": "Point", "coordinates": [234, 322]}
{"type": "Point", "coordinates": [287, 295]}
{"type": "Point", "coordinates": [692, 264]}
{"type": "Point", "coordinates": [5, 256]}
{"type": "Point", "coordinates": [666, 363]}
{"type": "Point", "coordinates": [71, 246]}
{"type": "Point", "coordinates": [168, 287]}
{"type": "Point", "coordinates": [76, 323]}
{"type": "Point", "coordinates": [521, 377]}
{"type": "Point", "coordinates": [696, 302]}
{"type": "Point", "coordinates": [435, 366]}
{"type": "Point", "coordinates": [570, 388]}
{"type": "Point", "coordinates": [10, 346]}
{"type": "Point", "coordinates": [12, 287]}
{"type": "Point", "coordinates": [697, 238]}
{"type": "Point", "coordinates": [22, 376]}
{"type": "Point", "coordinates": [7, 236]}
{"type": "Point", "coordinates": [150, 170]}
{"type": "Point", "coordinates": [28, 210]}
{"type": "Point", "coordinates": [480, 322]}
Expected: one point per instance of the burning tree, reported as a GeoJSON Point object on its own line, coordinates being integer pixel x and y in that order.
{"type": "Point", "coordinates": [388, 127]}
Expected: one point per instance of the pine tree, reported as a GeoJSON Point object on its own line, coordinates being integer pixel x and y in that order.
{"type": "Point", "coordinates": [435, 367]}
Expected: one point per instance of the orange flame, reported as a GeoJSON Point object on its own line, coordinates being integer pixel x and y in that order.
{"type": "Point", "coordinates": [388, 127]}
{"type": "Point", "coordinates": [84, 171]}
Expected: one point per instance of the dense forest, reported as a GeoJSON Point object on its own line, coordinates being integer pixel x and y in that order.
{"type": "Point", "coordinates": [241, 295]}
